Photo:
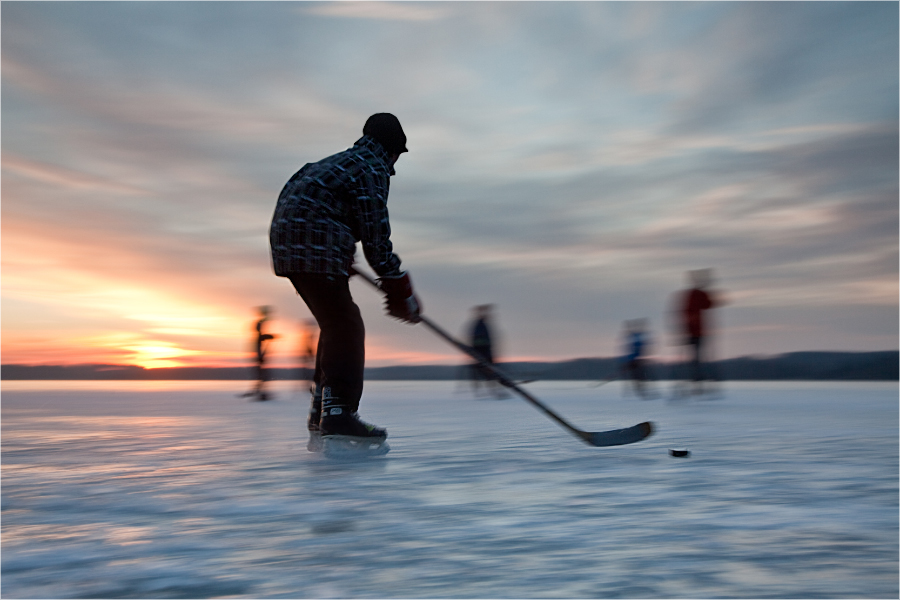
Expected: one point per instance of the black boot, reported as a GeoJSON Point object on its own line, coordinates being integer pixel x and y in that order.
{"type": "Point", "coordinates": [338, 420]}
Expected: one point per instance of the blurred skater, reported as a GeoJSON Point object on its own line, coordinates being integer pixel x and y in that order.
{"type": "Point", "coordinates": [483, 345]}
{"type": "Point", "coordinates": [632, 365]}
{"type": "Point", "coordinates": [636, 343]}
{"type": "Point", "coordinates": [262, 342]}
{"type": "Point", "coordinates": [323, 210]}
{"type": "Point", "coordinates": [695, 327]}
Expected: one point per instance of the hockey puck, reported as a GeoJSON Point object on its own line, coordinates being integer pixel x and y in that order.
{"type": "Point", "coordinates": [679, 453]}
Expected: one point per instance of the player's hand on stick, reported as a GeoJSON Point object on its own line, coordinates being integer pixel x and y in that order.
{"type": "Point", "coordinates": [400, 301]}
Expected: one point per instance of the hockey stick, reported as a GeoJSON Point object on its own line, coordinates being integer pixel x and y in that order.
{"type": "Point", "coordinates": [613, 437]}
{"type": "Point", "coordinates": [604, 382]}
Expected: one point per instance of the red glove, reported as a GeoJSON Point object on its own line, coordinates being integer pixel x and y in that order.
{"type": "Point", "coordinates": [400, 301]}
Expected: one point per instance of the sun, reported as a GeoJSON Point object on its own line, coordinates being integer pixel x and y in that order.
{"type": "Point", "coordinates": [158, 355]}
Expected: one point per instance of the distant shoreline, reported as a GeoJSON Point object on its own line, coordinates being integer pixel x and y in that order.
{"type": "Point", "coordinates": [797, 366]}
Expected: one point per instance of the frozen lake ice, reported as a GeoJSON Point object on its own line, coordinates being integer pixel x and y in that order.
{"type": "Point", "coordinates": [182, 490]}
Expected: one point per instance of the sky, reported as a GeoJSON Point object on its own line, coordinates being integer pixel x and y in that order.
{"type": "Point", "coordinates": [568, 162]}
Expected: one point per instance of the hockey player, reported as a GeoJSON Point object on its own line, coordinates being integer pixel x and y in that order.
{"type": "Point", "coordinates": [694, 305]}
{"type": "Point", "coordinates": [261, 342]}
{"type": "Point", "coordinates": [483, 345]}
{"type": "Point", "coordinates": [323, 211]}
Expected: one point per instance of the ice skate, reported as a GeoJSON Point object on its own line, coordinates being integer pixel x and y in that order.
{"type": "Point", "coordinates": [344, 434]}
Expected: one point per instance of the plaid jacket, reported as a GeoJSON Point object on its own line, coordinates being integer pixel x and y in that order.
{"type": "Point", "coordinates": [328, 206]}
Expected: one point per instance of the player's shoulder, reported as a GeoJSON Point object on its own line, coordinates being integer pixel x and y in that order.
{"type": "Point", "coordinates": [371, 156]}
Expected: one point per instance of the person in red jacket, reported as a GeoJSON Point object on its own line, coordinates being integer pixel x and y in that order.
{"type": "Point", "coordinates": [695, 326]}
{"type": "Point", "coordinates": [323, 211]}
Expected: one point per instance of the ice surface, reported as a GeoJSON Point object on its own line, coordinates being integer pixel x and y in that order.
{"type": "Point", "coordinates": [350, 449]}
{"type": "Point", "coordinates": [182, 490]}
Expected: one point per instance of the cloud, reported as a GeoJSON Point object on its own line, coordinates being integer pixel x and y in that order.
{"type": "Point", "coordinates": [777, 61]}
{"type": "Point", "coordinates": [62, 177]}
{"type": "Point", "coordinates": [809, 222]}
{"type": "Point", "coordinates": [381, 11]}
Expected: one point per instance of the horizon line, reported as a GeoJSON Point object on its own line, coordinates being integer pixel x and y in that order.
{"type": "Point", "coordinates": [464, 360]}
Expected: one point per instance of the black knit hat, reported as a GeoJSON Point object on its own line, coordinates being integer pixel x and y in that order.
{"type": "Point", "coordinates": [385, 129]}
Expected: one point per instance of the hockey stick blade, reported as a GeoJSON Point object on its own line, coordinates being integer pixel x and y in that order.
{"type": "Point", "coordinates": [618, 437]}
{"type": "Point", "coordinates": [614, 437]}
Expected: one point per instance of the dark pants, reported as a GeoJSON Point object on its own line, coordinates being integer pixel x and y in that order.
{"type": "Point", "coordinates": [478, 372]}
{"type": "Point", "coordinates": [636, 369]}
{"type": "Point", "coordinates": [698, 351]}
{"type": "Point", "coordinates": [341, 354]}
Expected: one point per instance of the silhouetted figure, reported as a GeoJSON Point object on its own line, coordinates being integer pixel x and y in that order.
{"type": "Point", "coordinates": [262, 340]}
{"type": "Point", "coordinates": [483, 345]}
{"type": "Point", "coordinates": [695, 327]}
{"type": "Point", "coordinates": [636, 343]}
{"type": "Point", "coordinates": [323, 211]}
